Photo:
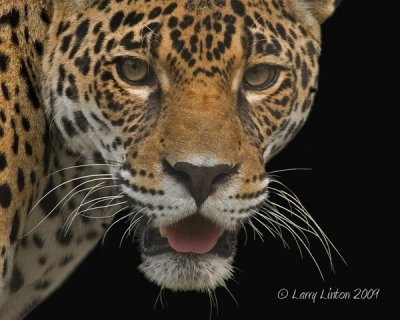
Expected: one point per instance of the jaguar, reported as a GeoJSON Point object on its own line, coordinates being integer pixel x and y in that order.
{"type": "Point", "coordinates": [160, 114]}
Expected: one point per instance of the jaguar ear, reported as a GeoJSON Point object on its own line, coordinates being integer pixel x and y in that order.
{"type": "Point", "coordinates": [319, 10]}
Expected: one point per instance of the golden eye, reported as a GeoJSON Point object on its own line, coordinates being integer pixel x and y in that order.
{"type": "Point", "coordinates": [260, 77]}
{"type": "Point", "coordinates": [135, 71]}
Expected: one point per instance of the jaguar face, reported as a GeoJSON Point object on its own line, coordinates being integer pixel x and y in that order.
{"type": "Point", "coordinates": [186, 101]}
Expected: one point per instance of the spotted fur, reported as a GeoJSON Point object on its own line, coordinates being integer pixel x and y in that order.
{"type": "Point", "coordinates": [63, 105]}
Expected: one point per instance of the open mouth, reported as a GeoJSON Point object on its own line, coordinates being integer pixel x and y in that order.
{"type": "Point", "coordinates": [194, 235]}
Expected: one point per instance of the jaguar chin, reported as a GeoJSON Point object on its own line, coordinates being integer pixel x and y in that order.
{"type": "Point", "coordinates": [194, 253]}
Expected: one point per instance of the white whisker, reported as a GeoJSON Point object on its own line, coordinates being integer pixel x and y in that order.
{"type": "Point", "coordinates": [296, 236]}
{"type": "Point", "coordinates": [245, 232]}
{"type": "Point", "coordinates": [129, 229]}
{"type": "Point", "coordinates": [256, 231]}
{"type": "Point", "coordinates": [92, 190]}
{"type": "Point", "coordinates": [230, 293]}
{"type": "Point", "coordinates": [61, 201]}
{"type": "Point", "coordinates": [106, 217]}
{"type": "Point", "coordinates": [118, 220]}
{"type": "Point", "coordinates": [289, 170]}
{"type": "Point", "coordinates": [321, 235]}
{"type": "Point", "coordinates": [281, 222]}
{"type": "Point", "coordinates": [273, 233]}
{"type": "Point", "coordinates": [72, 215]}
{"type": "Point", "coordinates": [76, 167]}
{"type": "Point", "coordinates": [69, 181]}
{"type": "Point", "coordinates": [279, 214]}
{"type": "Point", "coordinates": [160, 298]}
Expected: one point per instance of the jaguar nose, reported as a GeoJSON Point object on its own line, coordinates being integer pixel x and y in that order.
{"type": "Point", "coordinates": [201, 182]}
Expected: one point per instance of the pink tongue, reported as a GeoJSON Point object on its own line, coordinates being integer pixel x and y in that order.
{"type": "Point", "coordinates": [194, 234]}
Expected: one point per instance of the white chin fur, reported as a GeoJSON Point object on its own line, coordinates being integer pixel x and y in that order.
{"type": "Point", "coordinates": [181, 273]}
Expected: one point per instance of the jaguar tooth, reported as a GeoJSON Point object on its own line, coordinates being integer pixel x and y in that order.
{"type": "Point", "coordinates": [163, 232]}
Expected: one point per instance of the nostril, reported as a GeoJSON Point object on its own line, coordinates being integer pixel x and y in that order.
{"type": "Point", "coordinates": [181, 176]}
{"type": "Point", "coordinates": [225, 176]}
{"type": "Point", "coordinates": [220, 179]}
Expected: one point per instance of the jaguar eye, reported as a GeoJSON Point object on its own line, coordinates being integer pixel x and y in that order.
{"type": "Point", "coordinates": [260, 77]}
{"type": "Point", "coordinates": [135, 71]}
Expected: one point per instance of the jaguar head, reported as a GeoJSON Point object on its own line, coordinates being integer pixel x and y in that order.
{"type": "Point", "coordinates": [187, 101]}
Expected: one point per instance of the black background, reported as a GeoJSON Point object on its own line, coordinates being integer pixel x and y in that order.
{"type": "Point", "coordinates": [346, 192]}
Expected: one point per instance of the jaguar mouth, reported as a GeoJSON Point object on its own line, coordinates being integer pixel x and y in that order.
{"type": "Point", "coordinates": [194, 235]}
